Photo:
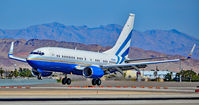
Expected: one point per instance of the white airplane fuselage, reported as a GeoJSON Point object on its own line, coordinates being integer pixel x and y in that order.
{"type": "Point", "coordinates": [55, 59]}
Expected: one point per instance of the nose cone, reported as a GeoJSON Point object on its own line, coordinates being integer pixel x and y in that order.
{"type": "Point", "coordinates": [31, 57]}
{"type": "Point", "coordinates": [32, 60]}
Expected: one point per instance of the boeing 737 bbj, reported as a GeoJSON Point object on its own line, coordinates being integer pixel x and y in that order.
{"type": "Point", "coordinates": [90, 64]}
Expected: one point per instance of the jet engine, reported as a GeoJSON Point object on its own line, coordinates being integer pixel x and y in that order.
{"type": "Point", "coordinates": [93, 72]}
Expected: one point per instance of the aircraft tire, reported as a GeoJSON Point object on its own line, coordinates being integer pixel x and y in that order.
{"type": "Point", "coordinates": [64, 81]}
{"type": "Point", "coordinates": [94, 82]}
{"type": "Point", "coordinates": [98, 82]}
{"type": "Point", "coordinates": [68, 81]}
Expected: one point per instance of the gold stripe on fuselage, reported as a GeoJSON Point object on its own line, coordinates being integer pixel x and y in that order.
{"type": "Point", "coordinates": [56, 61]}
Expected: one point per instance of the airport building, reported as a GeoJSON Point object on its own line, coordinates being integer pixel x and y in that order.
{"type": "Point", "coordinates": [131, 74]}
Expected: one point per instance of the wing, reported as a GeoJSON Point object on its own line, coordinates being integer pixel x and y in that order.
{"type": "Point", "coordinates": [127, 66]}
{"type": "Point", "coordinates": [10, 54]}
{"type": "Point", "coordinates": [130, 60]}
{"type": "Point", "coordinates": [141, 63]}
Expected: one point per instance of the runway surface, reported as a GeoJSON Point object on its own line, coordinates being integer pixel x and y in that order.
{"type": "Point", "coordinates": [78, 93]}
{"type": "Point", "coordinates": [126, 83]}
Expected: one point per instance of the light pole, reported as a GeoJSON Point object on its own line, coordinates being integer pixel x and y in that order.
{"type": "Point", "coordinates": [180, 68]}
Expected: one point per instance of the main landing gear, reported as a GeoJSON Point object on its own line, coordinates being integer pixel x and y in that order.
{"type": "Point", "coordinates": [96, 82]}
{"type": "Point", "coordinates": [39, 77]}
{"type": "Point", "coordinates": [66, 80]}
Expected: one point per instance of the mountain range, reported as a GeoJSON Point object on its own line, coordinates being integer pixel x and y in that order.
{"type": "Point", "coordinates": [22, 48]}
{"type": "Point", "coordinates": [165, 41]}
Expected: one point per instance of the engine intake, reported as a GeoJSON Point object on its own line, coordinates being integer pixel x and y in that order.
{"type": "Point", "coordinates": [93, 72]}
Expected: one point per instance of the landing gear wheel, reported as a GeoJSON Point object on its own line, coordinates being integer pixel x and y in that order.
{"type": "Point", "coordinates": [39, 77]}
{"type": "Point", "coordinates": [68, 81]}
{"type": "Point", "coordinates": [98, 82]}
{"type": "Point", "coordinates": [64, 81]}
{"type": "Point", "coordinates": [94, 82]}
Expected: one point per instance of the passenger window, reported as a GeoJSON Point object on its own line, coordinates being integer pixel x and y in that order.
{"type": "Point", "coordinates": [97, 60]}
{"type": "Point", "coordinates": [79, 58]}
{"type": "Point", "coordinates": [112, 62]}
{"type": "Point", "coordinates": [105, 61]}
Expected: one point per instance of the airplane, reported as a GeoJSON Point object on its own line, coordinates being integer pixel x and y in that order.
{"type": "Point", "coordinates": [46, 60]}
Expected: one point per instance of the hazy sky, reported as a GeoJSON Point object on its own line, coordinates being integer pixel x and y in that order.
{"type": "Point", "coordinates": [182, 15]}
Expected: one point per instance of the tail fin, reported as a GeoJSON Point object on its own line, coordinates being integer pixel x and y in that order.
{"type": "Point", "coordinates": [121, 48]}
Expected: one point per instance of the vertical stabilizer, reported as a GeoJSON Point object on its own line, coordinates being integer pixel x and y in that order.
{"type": "Point", "coordinates": [121, 47]}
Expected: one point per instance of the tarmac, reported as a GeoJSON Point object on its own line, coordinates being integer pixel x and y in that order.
{"type": "Point", "coordinates": [111, 92]}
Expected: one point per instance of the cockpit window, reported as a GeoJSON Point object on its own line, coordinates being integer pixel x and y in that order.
{"type": "Point", "coordinates": [38, 53]}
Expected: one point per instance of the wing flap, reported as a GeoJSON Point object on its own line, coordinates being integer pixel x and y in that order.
{"type": "Point", "coordinates": [140, 63]}
{"type": "Point", "coordinates": [131, 60]}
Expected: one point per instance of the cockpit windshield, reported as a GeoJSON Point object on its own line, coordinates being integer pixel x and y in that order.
{"type": "Point", "coordinates": [38, 53]}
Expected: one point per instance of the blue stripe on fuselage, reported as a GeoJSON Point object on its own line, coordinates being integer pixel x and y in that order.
{"type": "Point", "coordinates": [55, 66]}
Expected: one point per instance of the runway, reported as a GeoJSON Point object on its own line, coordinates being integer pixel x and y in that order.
{"type": "Point", "coordinates": [54, 94]}
{"type": "Point", "coordinates": [63, 96]}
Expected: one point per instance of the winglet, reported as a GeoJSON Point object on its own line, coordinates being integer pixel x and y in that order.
{"type": "Point", "coordinates": [190, 54]}
{"type": "Point", "coordinates": [11, 49]}
{"type": "Point", "coordinates": [10, 54]}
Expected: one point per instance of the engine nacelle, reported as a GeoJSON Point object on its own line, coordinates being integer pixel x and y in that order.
{"type": "Point", "coordinates": [42, 73]}
{"type": "Point", "coordinates": [93, 72]}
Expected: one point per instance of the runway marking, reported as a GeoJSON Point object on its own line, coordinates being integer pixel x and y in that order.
{"type": "Point", "coordinates": [28, 87]}
{"type": "Point", "coordinates": [115, 88]}
{"type": "Point", "coordinates": [97, 92]}
{"type": "Point", "coordinates": [14, 87]}
{"type": "Point", "coordinates": [98, 99]}
{"type": "Point", "coordinates": [79, 91]}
